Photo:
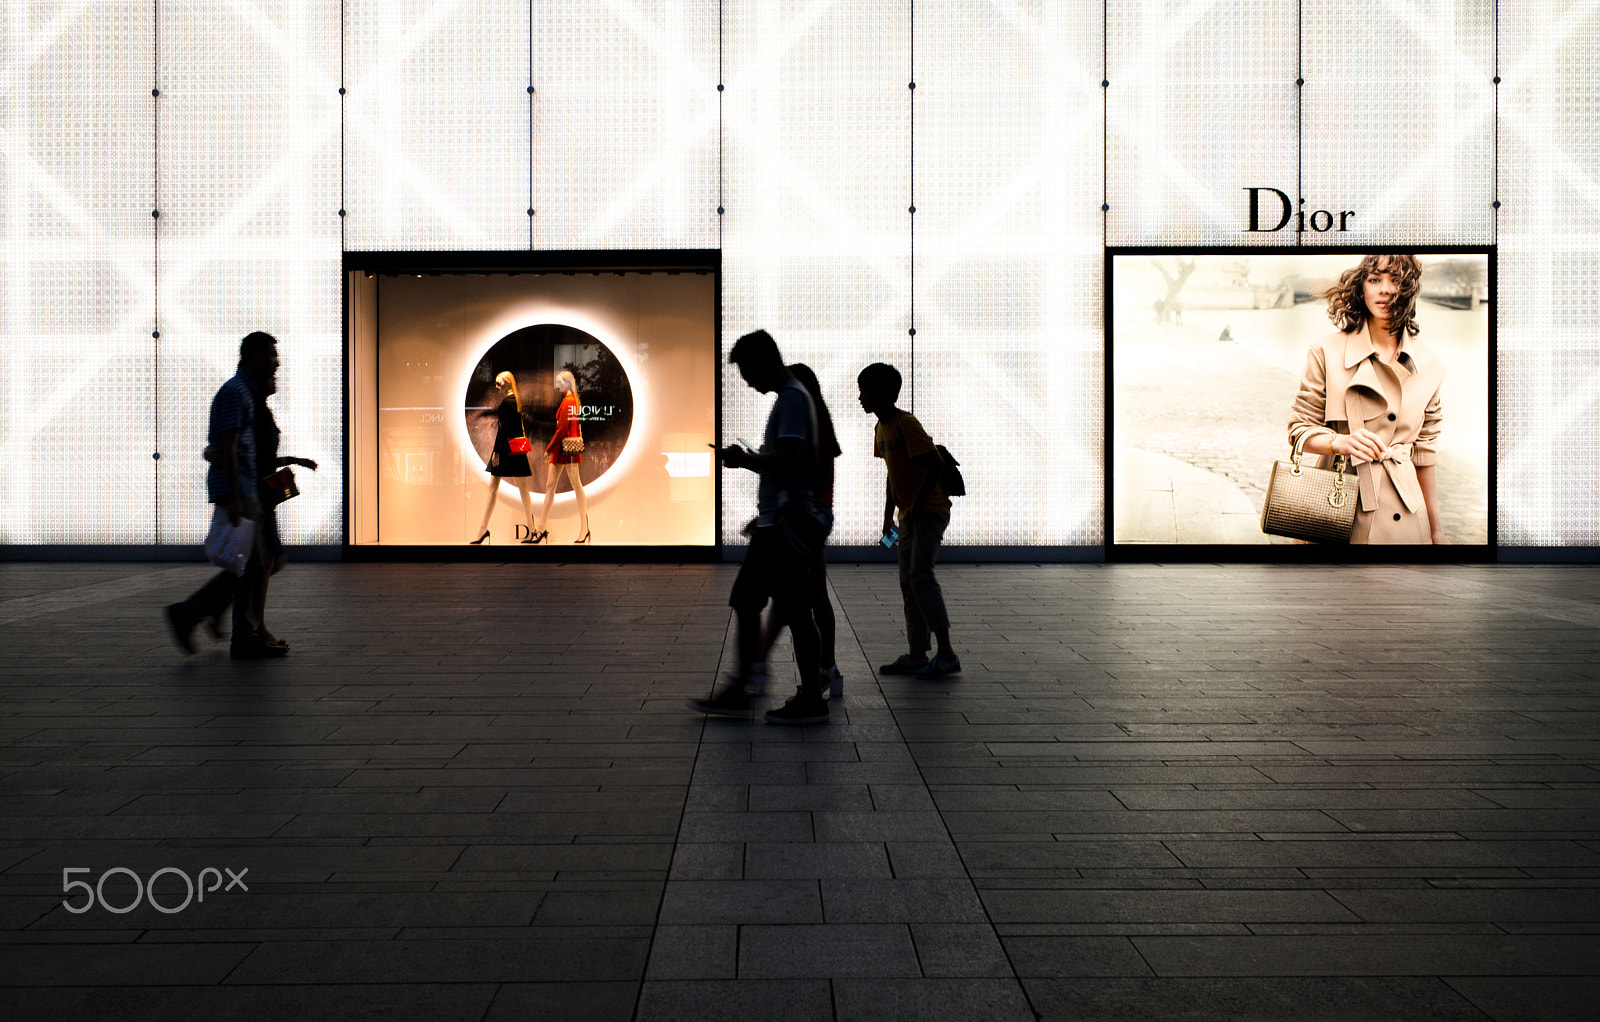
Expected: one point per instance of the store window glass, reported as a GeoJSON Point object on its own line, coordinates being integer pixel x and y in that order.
{"type": "Point", "coordinates": [543, 408]}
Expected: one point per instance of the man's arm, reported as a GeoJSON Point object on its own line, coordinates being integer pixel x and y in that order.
{"type": "Point", "coordinates": [227, 454]}
{"type": "Point", "coordinates": [791, 454]}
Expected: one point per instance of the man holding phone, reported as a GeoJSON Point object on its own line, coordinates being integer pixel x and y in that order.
{"type": "Point", "coordinates": [779, 562]}
{"type": "Point", "coordinates": [914, 467]}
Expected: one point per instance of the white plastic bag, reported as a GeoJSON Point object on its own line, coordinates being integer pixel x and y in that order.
{"type": "Point", "coordinates": [228, 546]}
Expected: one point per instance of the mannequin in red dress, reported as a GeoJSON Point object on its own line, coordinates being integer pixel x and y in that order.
{"type": "Point", "coordinates": [560, 460]}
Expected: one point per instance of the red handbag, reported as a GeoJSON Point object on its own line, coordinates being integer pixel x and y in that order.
{"type": "Point", "coordinates": [520, 445]}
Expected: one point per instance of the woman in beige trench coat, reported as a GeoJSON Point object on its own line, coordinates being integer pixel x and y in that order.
{"type": "Point", "coordinates": [1371, 392]}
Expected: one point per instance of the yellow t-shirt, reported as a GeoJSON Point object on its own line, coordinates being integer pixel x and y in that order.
{"type": "Point", "coordinates": [897, 442]}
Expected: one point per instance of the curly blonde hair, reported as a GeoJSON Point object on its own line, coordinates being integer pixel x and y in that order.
{"type": "Point", "coordinates": [1347, 305]}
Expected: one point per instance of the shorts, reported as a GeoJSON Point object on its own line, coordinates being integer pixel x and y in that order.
{"type": "Point", "coordinates": [773, 570]}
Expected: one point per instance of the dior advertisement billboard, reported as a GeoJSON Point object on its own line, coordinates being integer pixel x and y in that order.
{"type": "Point", "coordinates": [1378, 365]}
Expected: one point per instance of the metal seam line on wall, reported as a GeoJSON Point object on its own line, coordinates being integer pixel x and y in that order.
{"type": "Point", "coordinates": [155, 264]}
{"type": "Point", "coordinates": [343, 219]}
{"type": "Point", "coordinates": [1300, 113]}
{"type": "Point", "coordinates": [721, 138]}
{"type": "Point", "coordinates": [530, 126]}
{"type": "Point", "coordinates": [911, 193]}
{"type": "Point", "coordinates": [1494, 184]}
{"type": "Point", "coordinates": [1105, 123]}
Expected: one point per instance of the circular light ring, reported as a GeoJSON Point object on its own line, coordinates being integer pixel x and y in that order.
{"type": "Point", "coordinates": [510, 322]}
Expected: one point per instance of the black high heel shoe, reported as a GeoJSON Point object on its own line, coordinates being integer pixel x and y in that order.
{"type": "Point", "coordinates": [479, 541]}
{"type": "Point", "coordinates": [583, 538]}
{"type": "Point", "coordinates": [536, 538]}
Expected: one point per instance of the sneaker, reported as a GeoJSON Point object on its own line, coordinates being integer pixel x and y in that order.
{"type": "Point", "coordinates": [907, 664]}
{"type": "Point", "coordinates": [800, 709]}
{"type": "Point", "coordinates": [940, 666]}
{"type": "Point", "coordinates": [731, 701]}
{"type": "Point", "coordinates": [832, 683]}
{"type": "Point", "coordinates": [182, 627]}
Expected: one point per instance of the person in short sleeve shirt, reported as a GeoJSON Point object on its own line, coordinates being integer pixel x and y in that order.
{"type": "Point", "coordinates": [914, 466]}
{"type": "Point", "coordinates": [901, 442]}
{"type": "Point", "coordinates": [784, 539]}
{"type": "Point", "coordinates": [231, 484]}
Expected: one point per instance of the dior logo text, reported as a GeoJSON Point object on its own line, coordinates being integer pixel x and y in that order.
{"type": "Point", "coordinates": [1321, 220]}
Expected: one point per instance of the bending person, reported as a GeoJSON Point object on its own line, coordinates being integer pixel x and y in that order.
{"type": "Point", "coordinates": [564, 453]}
{"type": "Point", "coordinates": [507, 462]}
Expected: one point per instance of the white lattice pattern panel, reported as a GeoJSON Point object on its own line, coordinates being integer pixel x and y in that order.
{"type": "Point", "coordinates": [1200, 107]}
{"type": "Point", "coordinates": [77, 299]}
{"type": "Point", "coordinates": [1549, 269]}
{"type": "Point", "coordinates": [1008, 266]}
{"type": "Point", "coordinates": [625, 125]}
{"type": "Point", "coordinates": [436, 124]}
{"type": "Point", "coordinates": [250, 240]}
{"type": "Point", "coordinates": [816, 235]}
{"type": "Point", "coordinates": [814, 170]}
{"type": "Point", "coordinates": [1399, 120]}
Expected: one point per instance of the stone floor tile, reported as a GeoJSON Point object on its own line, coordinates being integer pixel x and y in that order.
{"type": "Point", "coordinates": [915, 900]}
{"type": "Point", "coordinates": [1376, 955]}
{"type": "Point", "coordinates": [601, 1002]}
{"type": "Point", "coordinates": [1531, 999]}
{"type": "Point", "coordinates": [834, 825]}
{"type": "Point", "coordinates": [1184, 906]}
{"type": "Point", "coordinates": [1250, 999]}
{"type": "Point", "coordinates": [741, 901]}
{"type": "Point", "coordinates": [708, 861]}
{"type": "Point", "coordinates": [694, 952]}
{"type": "Point", "coordinates": [788, 1000]}
{"type": "Point", "coordinates": [843, 797]}
{"type": "Point", "coordinates": [453, 1002]}
{"type": "Point", "coordinates": [815, 860]}
{"type": "Point", "coordinates": [1067, 956]}
{"type": "Point", "coordinates": [953, 950]}
{"type": "Point", "coordinates": [747, 826]}
{"type": "Point", "coordinates": [949, 1000]}
{"type": "Point", "coordinates": [553, 956]}
{"type": "Point", "coordinates": [833, 950]}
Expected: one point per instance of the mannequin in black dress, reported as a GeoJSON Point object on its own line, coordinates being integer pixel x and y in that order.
{"type": "Point", "coordinates": [504, 463]}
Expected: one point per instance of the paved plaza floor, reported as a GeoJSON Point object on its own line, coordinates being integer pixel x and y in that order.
{"type": "Point", "coordinates": [477, 792]}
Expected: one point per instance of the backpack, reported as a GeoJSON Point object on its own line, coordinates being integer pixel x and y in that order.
{"type": "Point", "coordinates": [950, 474]}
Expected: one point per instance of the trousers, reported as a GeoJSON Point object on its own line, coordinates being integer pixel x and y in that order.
{"type": "Point", "coordinates": [921, 532]}
{"type": "Point", "coordinates": [247, 593]}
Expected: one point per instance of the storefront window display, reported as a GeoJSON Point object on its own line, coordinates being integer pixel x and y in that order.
{"type": "Point", "coordinates": [533, 408]}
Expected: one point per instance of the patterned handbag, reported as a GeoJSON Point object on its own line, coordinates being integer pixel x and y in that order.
{"type": "Point", "coordinates": [572, 445]}
{"type": "Point", "coordinates": [1309, 503]}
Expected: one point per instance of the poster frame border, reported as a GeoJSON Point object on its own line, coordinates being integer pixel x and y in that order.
{"type": "Point", "coordinates": [573, 261]}
{"type": "Point", "coordinates": [1476, 553]}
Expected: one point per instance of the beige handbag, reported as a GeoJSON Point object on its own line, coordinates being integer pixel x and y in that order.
{"type": "Point", "coordinates": [1305, 502]}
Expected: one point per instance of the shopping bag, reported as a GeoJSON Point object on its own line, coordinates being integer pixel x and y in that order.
{"type": "Point", "coordinates": [228, 546]}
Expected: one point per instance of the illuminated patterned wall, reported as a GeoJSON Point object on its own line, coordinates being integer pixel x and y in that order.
{"type": "Point", "coordinates": [815, 151]}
